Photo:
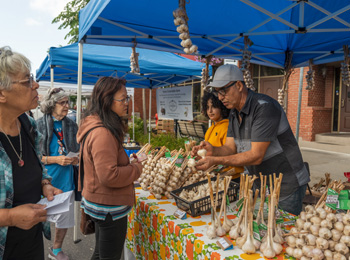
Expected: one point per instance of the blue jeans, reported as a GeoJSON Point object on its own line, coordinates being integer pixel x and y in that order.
{"type": "Point", "coordinates": [294, 202]}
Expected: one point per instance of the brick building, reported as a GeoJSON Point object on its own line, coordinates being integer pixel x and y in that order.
{"type": "Point", "coordinates": [324, 109]}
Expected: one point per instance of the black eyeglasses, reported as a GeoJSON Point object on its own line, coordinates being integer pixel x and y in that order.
{"type": "Point", "coordinates": [222, 91]}
{"type": "Point", "coordinates": [55, 91]}
{"type": "Point", "coordinates": [63, 103]}
{"type": "Point", "coordinates": [124, 100]}
{"type": "Point", "coordinates": [28, 82]}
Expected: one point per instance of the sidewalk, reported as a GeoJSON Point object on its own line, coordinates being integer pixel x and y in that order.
{"type": "Point", "coordinates": [326, 157]}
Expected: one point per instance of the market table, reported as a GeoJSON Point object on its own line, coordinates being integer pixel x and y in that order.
{"type": "Point", "coordinates": [154, 233]}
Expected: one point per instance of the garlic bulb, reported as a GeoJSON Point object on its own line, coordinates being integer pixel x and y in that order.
{"type": "Point", "coordinates": [291, 241]}
{"type": "Point", "coordinates": [339, 256]}
{"type": "Point", "coordinates": [331, 218]}
{"type": "Point", "coordinates": [346, 230]}
{"type": "Point", "coordinates": [299, 243]}
{"type": "Point", "coordinates": [202, 153]}
{"type": "Point", "coordinates": [346, 219]}
{"type": "Point", "coordinates": [290, 251]}
{"type": "Point", "coordinates": [336, 235]}
{"type": "Point", "coordinates": [249, 246]}
{"type": "Point", "coordinates": [339, 226]}
{"type": "Point", "coordinates": [211, 233]}
{"type": "Point", "coordinates": [184, 36]}
{"type": "Point", "coordinates": [322, 243]}
{"type": "Point", "coordinates": [328, 254]}
{"type": "Point", "coordinates": [191, 162]}
{"type": "Point", "coordinates": [317, 254]}
{"type": "Point", "coordinates": [310, 240]}
{"type": "Point", "coordinates": [315, 229]}
{"type": "Point", "coordinates": [325, 233]}
{"type": "Point", "coordinates": [193, 48]}
{"type": "Point", "coordinates": [341, 248]}
{"type": "Point", "coordinates": [298, 253]}
{"type": "Point", "coordinates": [307, 226]}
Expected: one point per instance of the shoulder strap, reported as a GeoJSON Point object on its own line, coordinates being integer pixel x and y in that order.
{"type": "Point", "coordinates": [59, 138]}
{"type": "Point", "coordinates": [81, 161]}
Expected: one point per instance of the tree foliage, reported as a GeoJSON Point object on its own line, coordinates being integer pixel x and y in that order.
{"type": "Point", "coordinates": [69, 18]}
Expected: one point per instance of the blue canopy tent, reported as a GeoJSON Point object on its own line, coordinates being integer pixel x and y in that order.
{"type": "Point", "coordinates": [284, 33]}
{"type": "Point", "coordinates": [157, 69]}
{"type": "Point", "coordinates": [309, 29]}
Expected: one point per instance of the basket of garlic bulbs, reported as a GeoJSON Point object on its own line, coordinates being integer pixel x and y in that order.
{"type": "Point", "coordinates": [195, 198]}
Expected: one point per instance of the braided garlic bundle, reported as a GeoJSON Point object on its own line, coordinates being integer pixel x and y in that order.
{"type": "Point", "coordinates": [158, 186]}
{"type": "Point", "coordinates": [345, 73]}
{"type": "Point", "coordinates": [280, 98]}
{"type": "Point", "coordinates": [181, 21]}
{"type": "Point", "coordinates": [246, 56]}
{"type": "Point", "coordinates": [310, 79]}
{"type": "Point", "coordinates": [134, 61]}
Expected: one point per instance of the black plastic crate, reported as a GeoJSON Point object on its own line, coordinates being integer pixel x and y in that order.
{"type": "Point", "coordinates": [201, 206]}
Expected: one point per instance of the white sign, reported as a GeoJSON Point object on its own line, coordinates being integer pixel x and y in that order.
{"type": "Point", "coordinates": [130, 91]}
{"type": "Point", "coordinates": [175, 103]}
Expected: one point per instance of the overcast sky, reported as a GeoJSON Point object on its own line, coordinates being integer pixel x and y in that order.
{"type": "Point", "coordinates": [25, 26]}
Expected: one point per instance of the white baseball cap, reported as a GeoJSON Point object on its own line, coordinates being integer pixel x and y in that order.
{"type": "Point", "coordinates": [226, 74]}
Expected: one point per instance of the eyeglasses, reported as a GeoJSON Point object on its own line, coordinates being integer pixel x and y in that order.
{"type": "Point", "coordinates": [63, 103]}
{"type": "Point", "coordinates": [28, 81]}
{"type": "Point", "coordinates": [124, 100]}
{"type": "Point", "coordinates": [55, 91]}
{"type": "Point", "coordinates": [222, 91]}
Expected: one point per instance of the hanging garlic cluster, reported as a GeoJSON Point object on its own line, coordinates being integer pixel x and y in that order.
{"type": "Point", "coordinates": [345, 73]}
{"type": "Point", "coordinates": [204, 79]}
{"type": "Point", "coordinates": [310, 79]}
{"type": "Point", "coordinates": [246, 56]}
{"type": "Point", "coordinates": [134, 61]}
{"type": "Point", "coordinates": [181, 21]}
{"type": "Point", "coordinates": [280, 98]}
{"type": "Point", "coordinates": [319, 234]}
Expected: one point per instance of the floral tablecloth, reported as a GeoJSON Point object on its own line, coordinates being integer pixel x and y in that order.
{"type": "Point", "coordinates": [154, 233]}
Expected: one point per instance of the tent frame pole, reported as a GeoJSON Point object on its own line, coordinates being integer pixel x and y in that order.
{"type": "Point", "coordinates": [149, 115]}
{"type": "Point", "coordinates": [79, 87]}
{"type": "Point", "coordinates": [299, 102]}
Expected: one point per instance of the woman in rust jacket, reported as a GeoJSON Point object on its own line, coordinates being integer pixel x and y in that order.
{"type": "Point", "coordinates": [108, 189]}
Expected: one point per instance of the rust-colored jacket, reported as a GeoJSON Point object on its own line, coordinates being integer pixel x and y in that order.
{"type": "Point", "coordinates": [108, 175]}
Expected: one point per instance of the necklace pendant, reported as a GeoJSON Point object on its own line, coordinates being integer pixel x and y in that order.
{"type": "Point", "coordinates": [20, 163]}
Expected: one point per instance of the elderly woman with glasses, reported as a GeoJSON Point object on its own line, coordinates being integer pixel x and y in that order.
{"type": "Point", "coordinates": [23, 178]}
{"type": "Point", "coordinates": [108, 185]}
{"type": "Point", "coordinates": [59, 140]}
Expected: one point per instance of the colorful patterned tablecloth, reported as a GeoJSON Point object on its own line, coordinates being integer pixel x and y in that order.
{"type": "Point", "coordinates": [154, 233]}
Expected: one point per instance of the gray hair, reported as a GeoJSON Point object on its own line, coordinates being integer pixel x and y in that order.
{"type": "Point", "coordinates": [11, 64]}
{"type": "Point", "coordinates": [47, 105]}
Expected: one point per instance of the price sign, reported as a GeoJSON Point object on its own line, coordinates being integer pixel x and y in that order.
{"type": "Point", "coordinates": [224, 243]}
{"type": "Point", "coordinates": [180, 214]}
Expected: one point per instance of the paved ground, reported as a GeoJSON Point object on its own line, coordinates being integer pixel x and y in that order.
{"type": "Point", "coordinates": [320, 161]}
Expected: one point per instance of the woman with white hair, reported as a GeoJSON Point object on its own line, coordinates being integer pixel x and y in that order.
{"type": "Point", "coordinates": [23, 179]}
{"type": "Point", "coordinates": [59, 139]}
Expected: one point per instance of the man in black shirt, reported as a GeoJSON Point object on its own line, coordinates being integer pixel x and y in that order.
{"type": "Point", "coordinates": [259, 138]}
